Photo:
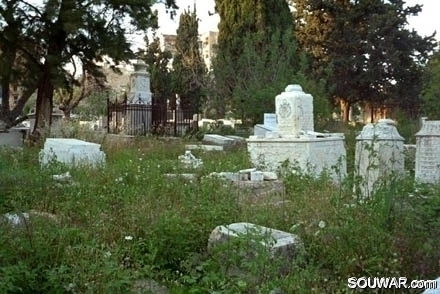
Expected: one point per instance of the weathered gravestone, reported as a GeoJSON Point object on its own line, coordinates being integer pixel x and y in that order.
{"type": "Point", "coordinates": [379, 156]}
{"type": "Point", "coordinates": [215, 142]}
{"type": "Point", "coordinates": [252, 240]}
{"type": "Point", "coordinates": [428, 153]}
{"type": "Point", "coordinates": [12, 137]}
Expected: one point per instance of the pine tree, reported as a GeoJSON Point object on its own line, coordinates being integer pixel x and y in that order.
{"type": "Point", "coordinates": [364, 51]}
{"type": "Point", "coordinates": [431, 87]}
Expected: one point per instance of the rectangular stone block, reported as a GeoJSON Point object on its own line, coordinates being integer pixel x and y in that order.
{"type": "Point", "coordinates": [270, 120]}
{"type": "Point", "coordinates": [72, 152]}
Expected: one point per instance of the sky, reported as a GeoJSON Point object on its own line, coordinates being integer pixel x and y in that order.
{"type": "Point", "coordinates": [424, 23]}
{"type": "Point", "coordinates": [427, 21]}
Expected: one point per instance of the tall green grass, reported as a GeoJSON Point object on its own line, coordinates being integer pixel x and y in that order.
{"type": "Point", "coordinates": [125, 222]}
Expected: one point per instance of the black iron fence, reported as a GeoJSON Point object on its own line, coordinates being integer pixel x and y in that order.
{"type": "Point", "coordinates": [157, 119]}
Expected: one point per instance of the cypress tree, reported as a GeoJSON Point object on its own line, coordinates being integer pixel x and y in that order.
{"type": "Point", "coordinates": [189, 69]}
{"type": "Point", "coordinates": [255, 58]}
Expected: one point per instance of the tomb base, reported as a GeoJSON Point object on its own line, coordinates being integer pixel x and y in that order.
{"type": "Point", "coordinates": [309, 153]}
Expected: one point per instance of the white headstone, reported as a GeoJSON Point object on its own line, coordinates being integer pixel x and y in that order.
{"type": "Point", "coordinates": [379, 155]}
{"type": "Point", "coordinates": [294, 110]}
{"type": "Point", "coordinates": [428, 152]}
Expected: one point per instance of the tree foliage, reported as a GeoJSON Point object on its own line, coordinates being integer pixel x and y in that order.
{"type": "Point", "coordinates": [52, 34]}
{"type": "Point", "coordinates": [363, 50]}
{"type": "Point", "coordinates": [431, 87]}
{"type": "Point", "coordinates": [189, 69]}
{"type": "Point", "coordinates": [256, 57]}
{"type": "Point", "coordinates": [18, 60]}
{"type": "Point", "coordinates": [68, 98]}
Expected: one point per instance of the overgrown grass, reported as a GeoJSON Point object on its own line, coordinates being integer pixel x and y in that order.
{"type": "Point", "coordinates": [125, 222]}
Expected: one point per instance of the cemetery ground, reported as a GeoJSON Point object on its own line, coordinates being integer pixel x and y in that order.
{"type": "Point", "coordinates": [123, 225]}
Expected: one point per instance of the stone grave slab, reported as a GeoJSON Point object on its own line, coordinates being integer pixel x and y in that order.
{"type": "Point", "coordinates": [72, 152]}
{"type": "Point", "coordinates": [219, 140]}
{"type": "Point", "coordinates": [261, 130]}
{"type": "Point", "coordinates": [14, 137]}
{"type": "Point", "coordinates": [204, 147]}
{"type": "Point", "coordinates": [280, 245]}
{"type": "Point", "coordinates": [259, 192]}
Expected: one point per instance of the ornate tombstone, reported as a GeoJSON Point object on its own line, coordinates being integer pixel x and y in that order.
{"type": "Point", "coordinates": [139, 111]}
{"type": "Point", "coordinates": [294, 110]}
{"type": "Point", "coordinates": [140, 85]}
{"type": "Point", "coordinates": [295, 142]}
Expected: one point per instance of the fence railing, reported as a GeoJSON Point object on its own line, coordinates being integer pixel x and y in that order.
{"type": "Point", "coordinates": [142, 119]}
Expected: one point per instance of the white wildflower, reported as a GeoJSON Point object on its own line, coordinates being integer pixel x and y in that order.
{"type": "Point", "coordinates": [128, 238]}
{"type": "Point", "coordinates": [321, 224]}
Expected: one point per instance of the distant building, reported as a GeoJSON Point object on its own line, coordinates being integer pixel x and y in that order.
{"type": "Point", "coordinates": [169, 43]}
{"type": "Point", "coordinates": [207, 44]}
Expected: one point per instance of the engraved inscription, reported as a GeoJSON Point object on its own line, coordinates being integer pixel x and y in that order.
{"type": "Point", "coordinates": [285, 109]}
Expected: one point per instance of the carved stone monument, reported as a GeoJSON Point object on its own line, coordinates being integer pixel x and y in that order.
{"type": "Point", "coordinates": [294, 140]}
{"type": "Point", "coordinates": [294, 110]}
{"type": "Point", "coordinates": [379, 156]}
{"type": "Point", "coordinates": [428, 153]}
{"type": "Point", "coordinates": [139, 110]}
{"type": "Point", "coordinates": [140, 85]}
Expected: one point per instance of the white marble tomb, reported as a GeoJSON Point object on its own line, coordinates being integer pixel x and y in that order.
{"type": "Point", "coordinates": [295, 141]}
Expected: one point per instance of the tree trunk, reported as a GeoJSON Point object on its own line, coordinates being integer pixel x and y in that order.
{"type": "Point", "coordinates": [4, 111]}
{"type": "Point", "coordinates": [345, 110]}
{"type": "Point", "coordinates": [66, 112]}
{"type": "Point", "coordinates": [44, 103]}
